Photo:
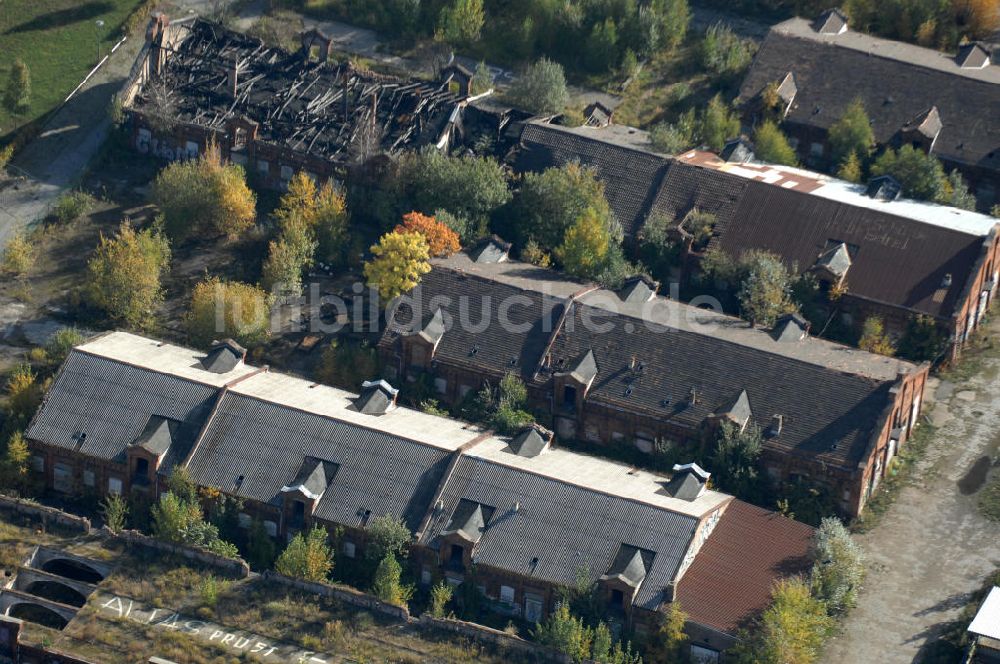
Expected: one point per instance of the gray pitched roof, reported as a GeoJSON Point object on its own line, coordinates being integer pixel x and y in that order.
{"type": "Point", "coordinates": [99, 406]}
{"type": "Point", "coordinates": [895, 81]}
{"type": "Point", "coordinates": [836, 260]}
{"type": "Point", "coordinates": [267, 445]}
{"type": "Point", "coordinates": [547, 529]}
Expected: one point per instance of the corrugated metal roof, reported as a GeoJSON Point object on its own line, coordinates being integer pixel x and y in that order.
{"type": "Point", "coordinates": [111, 402]}
{"type": "Point", "coordinates": [564, 527]}
{"type": "Point", "coordinates": [266, 443]}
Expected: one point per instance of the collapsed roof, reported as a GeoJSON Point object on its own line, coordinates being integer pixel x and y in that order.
{"type": "Point", "coordinates": [329, 110]}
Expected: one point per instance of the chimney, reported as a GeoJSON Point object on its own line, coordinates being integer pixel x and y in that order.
{"type": "Point", "coordinates": [775, 428]}
{"type": "Point", "coordinates": [234, 73]}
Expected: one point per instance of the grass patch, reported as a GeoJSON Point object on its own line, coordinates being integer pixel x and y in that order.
{"type": "Point", "coordinates": [899, 475]}
{"type": "Point", "coordinates": [989, 499]}
{"type": "Point", "coordinates": [58, 40]}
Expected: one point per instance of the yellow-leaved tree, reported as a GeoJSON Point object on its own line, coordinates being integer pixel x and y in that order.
{"type": "Point", "coordinates": [204, 197]}
{"type": "Point", "coordinates": [399, 260]}
{"type": "Point", "coordinates": [228, 309]}
{"type": "Point", "coordinates": [124, 275]}
{"type": "Point", "coordinates": [585, 245]}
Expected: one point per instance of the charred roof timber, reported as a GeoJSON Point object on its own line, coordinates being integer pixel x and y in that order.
{"type": "Point", "coordinates": [218, 78]}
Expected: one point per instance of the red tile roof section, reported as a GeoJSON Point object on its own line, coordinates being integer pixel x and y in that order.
{"type": "Point", "coordinates": [730, 581]}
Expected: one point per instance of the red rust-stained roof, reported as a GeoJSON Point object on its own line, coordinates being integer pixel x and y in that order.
{"type": "Point", "coordinates": [730, 581]}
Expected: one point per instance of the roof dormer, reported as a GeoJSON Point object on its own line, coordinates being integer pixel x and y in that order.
{"type": "Point", "coordinates": [491, 250]}
{"type": "Point", "coordinates": [737, 410]}
{"type": "Point", "coordinates": [223, 356]}
{"type": "Point", "coordinates": [973, 56]}
{"type": "Point", "coordinates": [689, 481]}
{"type": "Point", "coordinates": [833, 264]}
{"type": "Point", "coordinates": [377, 397]}
{"type": "Point", "coordinates": [789, 328]}
{"type": "Point", "coordinates": [468, 521]}
{"type": "Point", "coordinates": [531, 442]}
{"type": "Point", "coordinates": [831, 22]}
{"type": "Point", "coordinates": [637, 289]}
{"type": "Point", "coordinates": [313, 478]}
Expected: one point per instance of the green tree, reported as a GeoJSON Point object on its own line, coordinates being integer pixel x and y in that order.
{"type": "Point", "coordinates": [839, 567]}
{"type": "Point", "coordinates": [549, 203]}
{"type": "Point", "coordinates": [331, 223]}
{"type": "Point", "coordinates": [204, 197]}
{"type": "Point", "coordinates": [461, 21]}
{"type": "Point", "coordinates": [482, 79]}
{"type": "Point", "coordinates": [920, 174]}
{"type": "Point", "coordinates": [181, 521]}
{"type": "Point", "coordinates": [387, 585]}
{"type": "Point", "coordinates": [851, 134]}
{"type": "Point", "coordinates": [790, 631]}
{"type": "Point", "coordinates": [288, 255]}
{"type": "Point", "coordinates": [307, 557]}
{"type": "Point", "coordinates": [601, 51]}
{"type": "Point", "coordinates": [669, 644]}
{"type": "Point", "coordinates": [468, 187]}
{"type": "Point", "coordinates": [221, 309]}
{"type": "Point", "coordinates": [124, 275]}
{"type": "Point", "coordinates": [850, 168]}
{"type": "Point", "coordinates": [260, 546]}
{"type": "Point", "coordinates": [59, 345]}
{"type": "Point", "coordinates": [719, 123]}
{"type": "Point", "coordinates": [765, 292]}
{"type": "Point", "coordinates": [874, 338]}
{"type": "Point", "coordinates": [585, 246]}
{"type": "Point", "coordinates": [724, 52]}
{"type": "Point", "coordinates": [923, 340]}
{"type": "Point", "coordinates": [114, 509]}
{"type": "Point", "coordinates": [676, 137]}
{"type": "Point", "coordinates": [674, 19]}
{"type": "Point", "coordinates": [398, 262]}
{"type": "Point", "coordinates": [957, 193]}
{"type": "Point", "coordinates": [347, 365]}
{"type": "Point", "coordinates": [180, 484]}
{"type": "Point", "coordinates": [541, 89]}
{"type": "Point", "coordinates": [17, 95]}
{"type": "Point", "coordinates": [387, 535]}
{"type": "Point", "coordinates": [566, 633]}
{"type": "Point", "coordinates": [771, 145]}
{"type": "Point", "coordinates": [734, 461]}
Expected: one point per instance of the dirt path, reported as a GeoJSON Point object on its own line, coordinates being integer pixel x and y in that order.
{"type": "Point", "coordinates": [932, 549]}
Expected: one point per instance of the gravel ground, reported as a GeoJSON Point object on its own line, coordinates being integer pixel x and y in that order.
{"type": "Point", "coordinates": [932, 549]}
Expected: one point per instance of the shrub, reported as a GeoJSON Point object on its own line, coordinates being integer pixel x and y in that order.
{"type": "Point", "coordinates": [18, 256]}
{"type": "Point", "coordinates": [73, 205]}
{"type": "Point", "coordinates": [874, 338]}
{"type": "Point", "coordinates": [771, 145]}
{"type": "Point", "coordinates": [387, 585]}
{"type": "Point", "coordinates": [309, 557]}
{"type": "Point", "coordinates": [541, 89]}
{"type": "Point", "coordinates": [59, 345]}
{"type": "Point", "coordinates": [114, 509]}
{"type": "Point", "coordinates": [839, 567]}
{"type": "Point", "coordinates": [920, 174]}
{"type": "Point", "coordinates": [387, 535]}
{"type": "Point", "coordinates": [724, 52]}
{"type": "Point", "coordinates": [221, 309]}
{"type": "Point", "coordinates": [765, 291]}
{"type": "Point", "coordinates": [441, 594]}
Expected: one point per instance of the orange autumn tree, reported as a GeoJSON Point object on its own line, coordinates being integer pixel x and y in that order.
{"type": "Point", "coordinates": [441, 240]}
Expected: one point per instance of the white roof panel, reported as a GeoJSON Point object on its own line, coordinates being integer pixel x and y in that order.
{"type": "Point", "coordinates": [987, 621]}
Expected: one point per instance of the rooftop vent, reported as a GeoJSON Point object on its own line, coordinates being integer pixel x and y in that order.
{"type": "Point", "coordinates": [973, 56]}
{"type": "Point", "coordinates": [946, 281]}
{"type": "Point", "coordinates": [884, 188]}
{"type": "Point", "coordinates": [688, 482]}
{"type": "Point", "coordinates": [377, 397]}
{"type": "Point", "coordinates": [831, 22]}
{"type": "Point", "coordinates": [223, 356]}
{"type": "Point", "coordinates": [774, 429]}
